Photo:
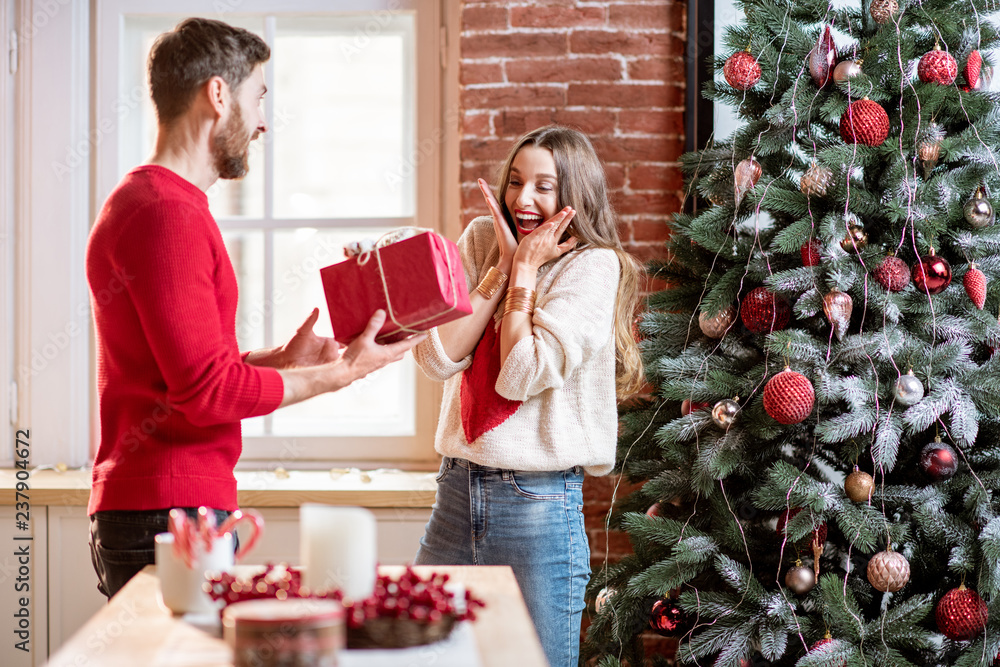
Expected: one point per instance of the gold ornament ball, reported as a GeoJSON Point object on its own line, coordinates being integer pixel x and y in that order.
{"type": "Point", "coordinates": [816, 180]}
{"type": "Point", "coordinates": [859, 486]}
{"type": "Point", "coordinates": [800, 579]}
{"type": "Point", "coordinates": [856, 239]}
{"type": "Point", "coordinates": [883, 10]}
{"type": "Point", "coordinates": [846, 70]}
{"type": "Point", "coordinates": [888, 571]}
{"type": "Point", "coordinates": [716, 326]}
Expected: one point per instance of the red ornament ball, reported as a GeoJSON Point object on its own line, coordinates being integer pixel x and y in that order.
{"type": "Point", "coordinates": [789, 397]}
{"type": "Point", "coordinates": [741, 70]}
{"type": "Point", "coordinates": [893, 274]}
{"type": "Point", "coordinates": [667, 619]}
{"type": "Point", "coordinates": [973, 68]}
{"type": "Point", "coordinates": [764, 312]}
{"type": "Point", "coordinates": [822, 642]}
{"type": "Point", "coordinates": [810, 253]}
{"type": "Point", "coordinates": [937, 66]}
{"type": "Point", "coordinates": [961, 614]}
{"type": "Point", "coordinates": [975, 286]}
{"type": "Point", "coordinates": [932, 274]}
{"type": "Point", "coordinates": [864, 122]}
{"type": "Point", "coordinates": [938, 461]}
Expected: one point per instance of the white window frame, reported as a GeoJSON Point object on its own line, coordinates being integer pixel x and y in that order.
{"type": "Point", "coordinates": [8, 398]}
{"type": "Point", "coordinates": [65, 120]}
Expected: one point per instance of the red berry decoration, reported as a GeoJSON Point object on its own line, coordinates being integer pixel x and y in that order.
{"type": "Point", "coordinates": [961, 614]}
{"type": "Point", "coordinates": [741, 70]}
{"type": "Point", "coordinates": [667, 619]}
{"type": "Point", "coordinates": [971, 71]}
{"type": "Point", "coordinates": [932, 274]}
{"type": "Point", "coordinates": [938, 460]}
{"type": "Point", "coordinates": [975, 286]}
{"type": "Point", "coordinates": [810, 253]}
{"type": "Point", "coordinates": [789, 397]}
{"type": "Point", "coordinates": [764, 312]}
{"type": "Point", "coordinates": [937, 66]}
{"type": "Point", "coordinates": [893, 274]}
{"type": "Point", "coordinates": [864, 122]}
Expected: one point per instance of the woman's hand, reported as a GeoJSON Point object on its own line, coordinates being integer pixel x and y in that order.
{"type": "Point", "coordinates": [505, 239]}
{"type": "Point", "coordinates": [542, 245]}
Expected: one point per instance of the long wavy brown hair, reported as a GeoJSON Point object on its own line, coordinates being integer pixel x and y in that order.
{"type": "Point", "coordinates": [583, 185]}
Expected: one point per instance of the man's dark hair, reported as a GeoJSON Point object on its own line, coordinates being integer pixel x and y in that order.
{"type": "Point", "coordinates": [183, 59]}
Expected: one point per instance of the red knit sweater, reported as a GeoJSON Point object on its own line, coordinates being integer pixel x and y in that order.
{"type": "Point", "coordinates": [172, 385]}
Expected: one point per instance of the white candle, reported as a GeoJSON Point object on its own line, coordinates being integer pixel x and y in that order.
{"type": "Point", "coordinates": [338, 549]}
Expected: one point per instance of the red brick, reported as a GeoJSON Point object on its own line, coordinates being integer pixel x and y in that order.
{"type": "Point", "coordinates": [657, 69]}
{"type": "Point", "coordinates": [557, 17]}
{"type": "Point", "coordinates": [616, 176]}
{"type": "Point", "coordinates": [655, 177]}
{"type": "Point", "coordinates": [628, 95]}
{"type": "Point", "coordinates": [476, 124]}
{"type": "Point", "coordinates": [514, 96]}
{"type": "Point", "coordinates": [649, 230]}
{"type": "Point", "coordinates": [659, 646]}
{"type": "Point", "coordinates": [560, 70]}
{"type": "Point", "coordinates": [645, 121]}
{"type": "Point", "coordinates": [658, 16]}
{"type": "Point", "coordinates": [645, 252]}
{"type": "Point", "coordinates": [514, 45]}
{"type": "Point", "coordinates": [603, 487]}
{"type": "Point", "coordinates": [589, 121]}
{"type": "Point", "coordinates": [483, 150]}
{"type": "Point", "coordinates": [484, 17]}
{"type": "Point", "coordinates": [638, 149]}
{"type": "Point", "coordinates": [513, 123]}
{"type": "Point", "coordinates": [610, 541]}
{"type": "Point", "coordinates": [647, 203]}
{"type": "Point", "coordinates": [626, 43]}
{"type": "Point", "coordinates": [472, 73]}
{"type": "Point", "coordinates": [470, 172]}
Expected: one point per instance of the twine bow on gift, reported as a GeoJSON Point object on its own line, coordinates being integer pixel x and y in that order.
{"type": "Point", "coordinates": [389, 238]}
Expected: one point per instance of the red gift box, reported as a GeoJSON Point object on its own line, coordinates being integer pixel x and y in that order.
{"type": "Point", "coordinates": [419, 282]}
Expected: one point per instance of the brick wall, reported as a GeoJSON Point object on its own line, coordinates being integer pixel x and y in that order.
{"type": "Point", "coordinates": [614, 70]}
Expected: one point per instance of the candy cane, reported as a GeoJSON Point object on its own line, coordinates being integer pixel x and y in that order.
{"type": "Point", "coordinates": [181, 530]}
{"type": "Point", "coordinates": [256, 520]}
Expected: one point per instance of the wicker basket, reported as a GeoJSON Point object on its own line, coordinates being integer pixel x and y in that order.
{"type": "Point", "coordinates": [398, 632]}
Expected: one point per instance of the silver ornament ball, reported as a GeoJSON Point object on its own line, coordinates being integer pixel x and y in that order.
{"type": "Point", "coordinates": [602, 598]}
{"type": "Point", "coordinates": [909, 389]}
{"type": "Point", "coordinates": [800, 579]}
{"type": "Point", "coordinates": [979, 212]}
{"type": "Point", "coordinates": [724, 412]}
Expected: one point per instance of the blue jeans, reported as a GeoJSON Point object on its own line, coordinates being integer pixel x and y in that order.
{"type": "Point", "coordinates": [122, 542]}
{"type": "Point", "coordinates": [531, 521]}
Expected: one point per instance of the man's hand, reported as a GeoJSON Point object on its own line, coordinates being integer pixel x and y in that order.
{"type": "Point", "coordinates": [307, 349]}
{"type": "Point", "coordinates": [361, 357]}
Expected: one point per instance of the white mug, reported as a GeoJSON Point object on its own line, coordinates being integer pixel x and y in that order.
{"type": "Point", "coordinates": [181, 587]}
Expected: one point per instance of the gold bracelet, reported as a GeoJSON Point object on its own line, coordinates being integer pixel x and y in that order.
{"type": "Point", "coordinates": [520, 300]}
{"type": "Point", "coordinates": [492, 282]}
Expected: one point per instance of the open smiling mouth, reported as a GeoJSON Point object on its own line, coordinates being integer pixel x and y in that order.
{"type": "Point", "coordinates": [527, 222]}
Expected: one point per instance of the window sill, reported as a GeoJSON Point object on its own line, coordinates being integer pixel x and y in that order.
{"type": "Point", "coordinates": [256, 488]}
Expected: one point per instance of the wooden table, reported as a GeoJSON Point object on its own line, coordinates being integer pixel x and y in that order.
{"type": "Point", "coordinates": [134, 629]}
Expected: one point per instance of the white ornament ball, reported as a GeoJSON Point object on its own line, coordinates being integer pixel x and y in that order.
{"type": "Point", "coordinates": [909, 389]}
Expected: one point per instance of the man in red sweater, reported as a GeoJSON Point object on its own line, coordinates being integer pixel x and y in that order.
{"type": "Point", "coordinates": [173, 385]}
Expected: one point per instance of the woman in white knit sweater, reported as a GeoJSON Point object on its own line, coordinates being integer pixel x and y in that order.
{"type": "Point", "coordinates": [531, 377]}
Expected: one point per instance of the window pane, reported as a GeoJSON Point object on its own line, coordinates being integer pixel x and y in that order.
{"type": "Point", "coordinates": [136, 117]}
{"type": "Point", "coordinates": [382, 403]}
{"type": "Point", "coordinates": [246, 252]}
{"type": "Point", "coordinates": [343, 122]}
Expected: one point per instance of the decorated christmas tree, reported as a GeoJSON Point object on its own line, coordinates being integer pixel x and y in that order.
{"type": "Point", "coordinates": [819, 454]}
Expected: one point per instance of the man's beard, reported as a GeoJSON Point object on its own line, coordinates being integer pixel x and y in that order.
{"type": "Point", "coordinates": [231, 148]}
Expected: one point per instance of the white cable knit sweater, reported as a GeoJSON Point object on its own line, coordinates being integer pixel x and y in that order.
{"type": "Point", "coordinates": [564, 372]}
